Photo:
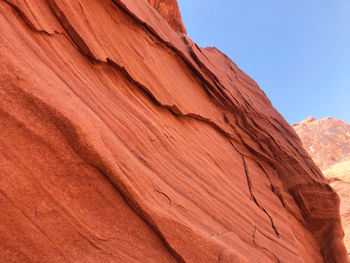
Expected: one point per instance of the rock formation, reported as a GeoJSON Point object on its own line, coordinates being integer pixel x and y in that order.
{"type": "Point", "coordinates": [121, 140]}
{"type": "Point", "coordinates": [169, 10]}
{"type": "Point", "coordinates": [328, 143]}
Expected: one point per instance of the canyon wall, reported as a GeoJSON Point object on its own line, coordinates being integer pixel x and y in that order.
{"type": "Point", "coordinates": [328, 143]}
{"type": "Point", "coordinates": [121, 140]}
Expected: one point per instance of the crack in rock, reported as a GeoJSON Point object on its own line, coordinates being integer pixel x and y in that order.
{"type": "Point", "coordinates": [254, 198]}
{"type": "Point", "coordinates": [164, 194]}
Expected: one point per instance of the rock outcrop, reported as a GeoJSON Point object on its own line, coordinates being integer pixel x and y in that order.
{"type": "Point", "coordinates": [328, 143]}
{"type": "Point", "coordinates": [123, 141]}
{"type": "Point", "coordinates": [169, 10]}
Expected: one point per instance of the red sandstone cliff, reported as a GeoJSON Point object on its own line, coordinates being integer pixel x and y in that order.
{"type": "Point", "coordinates": [328, 143]}
{"type": "Point", "coordinates": [123, 141]}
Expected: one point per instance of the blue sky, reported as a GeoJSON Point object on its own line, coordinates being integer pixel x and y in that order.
{"type": "Point", "coordinates": [297, 50]}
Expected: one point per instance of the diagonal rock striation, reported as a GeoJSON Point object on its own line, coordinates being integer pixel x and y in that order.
{"type": "Point", "coordinates": [123, 141]}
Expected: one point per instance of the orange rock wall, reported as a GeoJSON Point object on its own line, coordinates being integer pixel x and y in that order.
{"type": "Point", "coordinates": [328, 143]}
{"type": "Point", "coordinates": [123, 141]}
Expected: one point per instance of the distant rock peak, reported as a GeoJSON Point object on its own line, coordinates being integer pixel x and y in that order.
{"type": "Point", "coordinates": [310, 119]}
{"type": "Point", "coordinates": [326, 139]}
{"type": "Point", "coordinates": [307, 120]}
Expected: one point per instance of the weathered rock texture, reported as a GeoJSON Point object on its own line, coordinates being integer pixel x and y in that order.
{"type": "Point", "coordinates": [123, 141]}
{"type": "Point", "coordinates": [328, 143]}
{"type": "Point", "coordinates": [169, 10]}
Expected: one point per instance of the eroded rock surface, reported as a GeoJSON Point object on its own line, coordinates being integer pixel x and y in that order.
{"type": "Point", "coordinates": [169, 9]}
{"type": "Point", "coordinates": [123, 141]}
{"type": "Point", "coordinates": [328, 143]}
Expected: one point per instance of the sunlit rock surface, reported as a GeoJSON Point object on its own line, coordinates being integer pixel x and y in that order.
{"type": "Point", "coordinates": [123, 141]}
{"type": "Point", "coordinates": [328, 143]}
{"type": "Point", "coordinates": [169, 9]}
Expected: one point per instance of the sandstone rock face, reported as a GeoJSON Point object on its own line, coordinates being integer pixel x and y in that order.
{"type": "Point", "coordinates": [123, 141]}
{"type": "Point", "coordinates": [326, 140]}
{"type": "Point", "coordinates": [169, 9]}
{"type": "Point", "coordinates": [328, 143]}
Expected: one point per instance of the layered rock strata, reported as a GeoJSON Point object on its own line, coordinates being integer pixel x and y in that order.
{"type": "Point", "coordinates": [328, 143]}
{"type": "Point", "coordinates": [123, 141]}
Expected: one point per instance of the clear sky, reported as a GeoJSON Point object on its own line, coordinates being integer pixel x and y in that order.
{"type": "Point", "coordinates": [297, 50]}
